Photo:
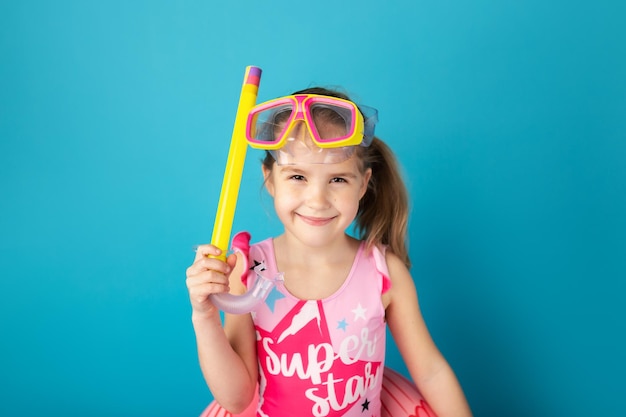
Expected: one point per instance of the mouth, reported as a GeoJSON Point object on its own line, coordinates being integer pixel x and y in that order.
{"type": "Point", "coordinates": [316, 221]}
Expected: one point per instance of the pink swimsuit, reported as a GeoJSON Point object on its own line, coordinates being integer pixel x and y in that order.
{"type": "Point", "coordinates": [321, 357]}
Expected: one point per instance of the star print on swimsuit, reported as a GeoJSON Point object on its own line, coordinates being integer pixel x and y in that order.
{"type": "Point", "coordinates": [258, 264]}
{"type": "Point", "coordinates": [272, 297]}
{"type": "Point", "coordinates": [359, 312]}
{"type": "Point", "coordinates": [365, 405]}
{"type": "Point", "coordinates": [342, 324]}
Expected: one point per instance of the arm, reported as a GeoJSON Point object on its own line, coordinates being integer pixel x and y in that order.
{"type": "Point", "coordinates": [430, 371]}
{"type": "Point", "coordinates": [227, 354]}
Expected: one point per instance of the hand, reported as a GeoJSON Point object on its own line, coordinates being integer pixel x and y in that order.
{"type": "Point", "coordinates": [208, 275]}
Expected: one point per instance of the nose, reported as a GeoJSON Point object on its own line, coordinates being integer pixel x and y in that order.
{"type": "Point", "coordinates": [317, 196]}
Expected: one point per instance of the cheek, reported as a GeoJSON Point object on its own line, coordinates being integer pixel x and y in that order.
{"type": "Point", "coordinates": [285, 198]}
{"type": "Point", "coordinates": [348, 202]}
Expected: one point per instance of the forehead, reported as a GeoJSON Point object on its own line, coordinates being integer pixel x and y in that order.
{"type": "Point", "coordinates": [349, 167]}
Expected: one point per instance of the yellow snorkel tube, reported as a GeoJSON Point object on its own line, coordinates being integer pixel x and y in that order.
{"type": "Point", "coordinates": [236, 159]}
{"type": "Point", "coordinates": [238, 304]}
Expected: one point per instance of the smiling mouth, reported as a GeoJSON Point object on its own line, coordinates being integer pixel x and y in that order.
{"type": "Point", "coordinates": [316, 221]}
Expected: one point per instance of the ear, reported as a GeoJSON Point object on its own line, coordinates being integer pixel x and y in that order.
{"type": "Point", "coordinates": [366, 180]}
{"type": "Point", "coordinates": [267, 180]}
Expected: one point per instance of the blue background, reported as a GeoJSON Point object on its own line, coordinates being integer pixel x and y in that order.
{"type": "Point", "coordinates": [115, 118]}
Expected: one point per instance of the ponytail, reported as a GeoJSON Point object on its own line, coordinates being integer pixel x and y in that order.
{"type": "Point", "coordinates": [383, 213]}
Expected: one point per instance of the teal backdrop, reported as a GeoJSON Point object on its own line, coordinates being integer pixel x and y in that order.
{"type": "Point", "coordinates": [509, 118]}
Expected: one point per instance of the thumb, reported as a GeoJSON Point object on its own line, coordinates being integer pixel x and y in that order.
{"type": "Point", "coordinates": [231, 260]}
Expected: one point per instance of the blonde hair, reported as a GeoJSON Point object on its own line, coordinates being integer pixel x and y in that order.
{"type": "Point", "coordinates": [383, 215]}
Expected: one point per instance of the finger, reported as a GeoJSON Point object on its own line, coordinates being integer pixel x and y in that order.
{"type": "Point", "coordinates": [202, 284]}
{"type": "Point", "coordinates": [213, 264]}
{"type": "Point", "coordinates": [231, 260]}
{"type": "Point", "coordinates": [204, 251]}
{"type": "Point", "coordinates": [203, 274]}
{"type": "Point", "coordinates": [200, 294]}
{"type": "Point", "coordinates": [213, 269]}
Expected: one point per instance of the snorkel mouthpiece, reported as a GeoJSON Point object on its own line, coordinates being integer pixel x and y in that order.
{"type": "Point", "coordinates": [245, 303]}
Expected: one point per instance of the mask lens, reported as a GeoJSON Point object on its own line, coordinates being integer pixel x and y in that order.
{"type": "Point", "coordinates": [268, 125]}
{"type": "Point", "coordinates": [331, 122]}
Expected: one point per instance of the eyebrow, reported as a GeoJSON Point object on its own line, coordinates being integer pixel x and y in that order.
{"type": "Point", "coordinates": [298, 171]}
{"type": "Point", "coordinates": [291, 170]}
{"type": "Point", "coordinates": [343, 174]}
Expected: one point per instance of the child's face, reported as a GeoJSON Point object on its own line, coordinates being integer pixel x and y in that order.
{"type": "Point", "coordinates": [317, 202]}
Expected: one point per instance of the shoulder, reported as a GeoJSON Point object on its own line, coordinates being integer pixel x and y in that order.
{"type": "Point", "coordinates": [397, 268]}
{"type": "Point", "coordinates": [401, 280]}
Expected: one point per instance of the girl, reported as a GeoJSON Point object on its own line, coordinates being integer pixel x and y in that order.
{"type": "Point", "coordinates": [316, 346]}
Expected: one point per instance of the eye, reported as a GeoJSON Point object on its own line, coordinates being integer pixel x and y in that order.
{"type": "Point", "coordinates": [297, 177]}
{"type": "Point", "coordinates": [338, 179]}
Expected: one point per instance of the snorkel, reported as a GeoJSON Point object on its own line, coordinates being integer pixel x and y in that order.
{"type": "Point", "coordinates": [317, 144]}
{"type": "Point", "coordinates": [237, 304]}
